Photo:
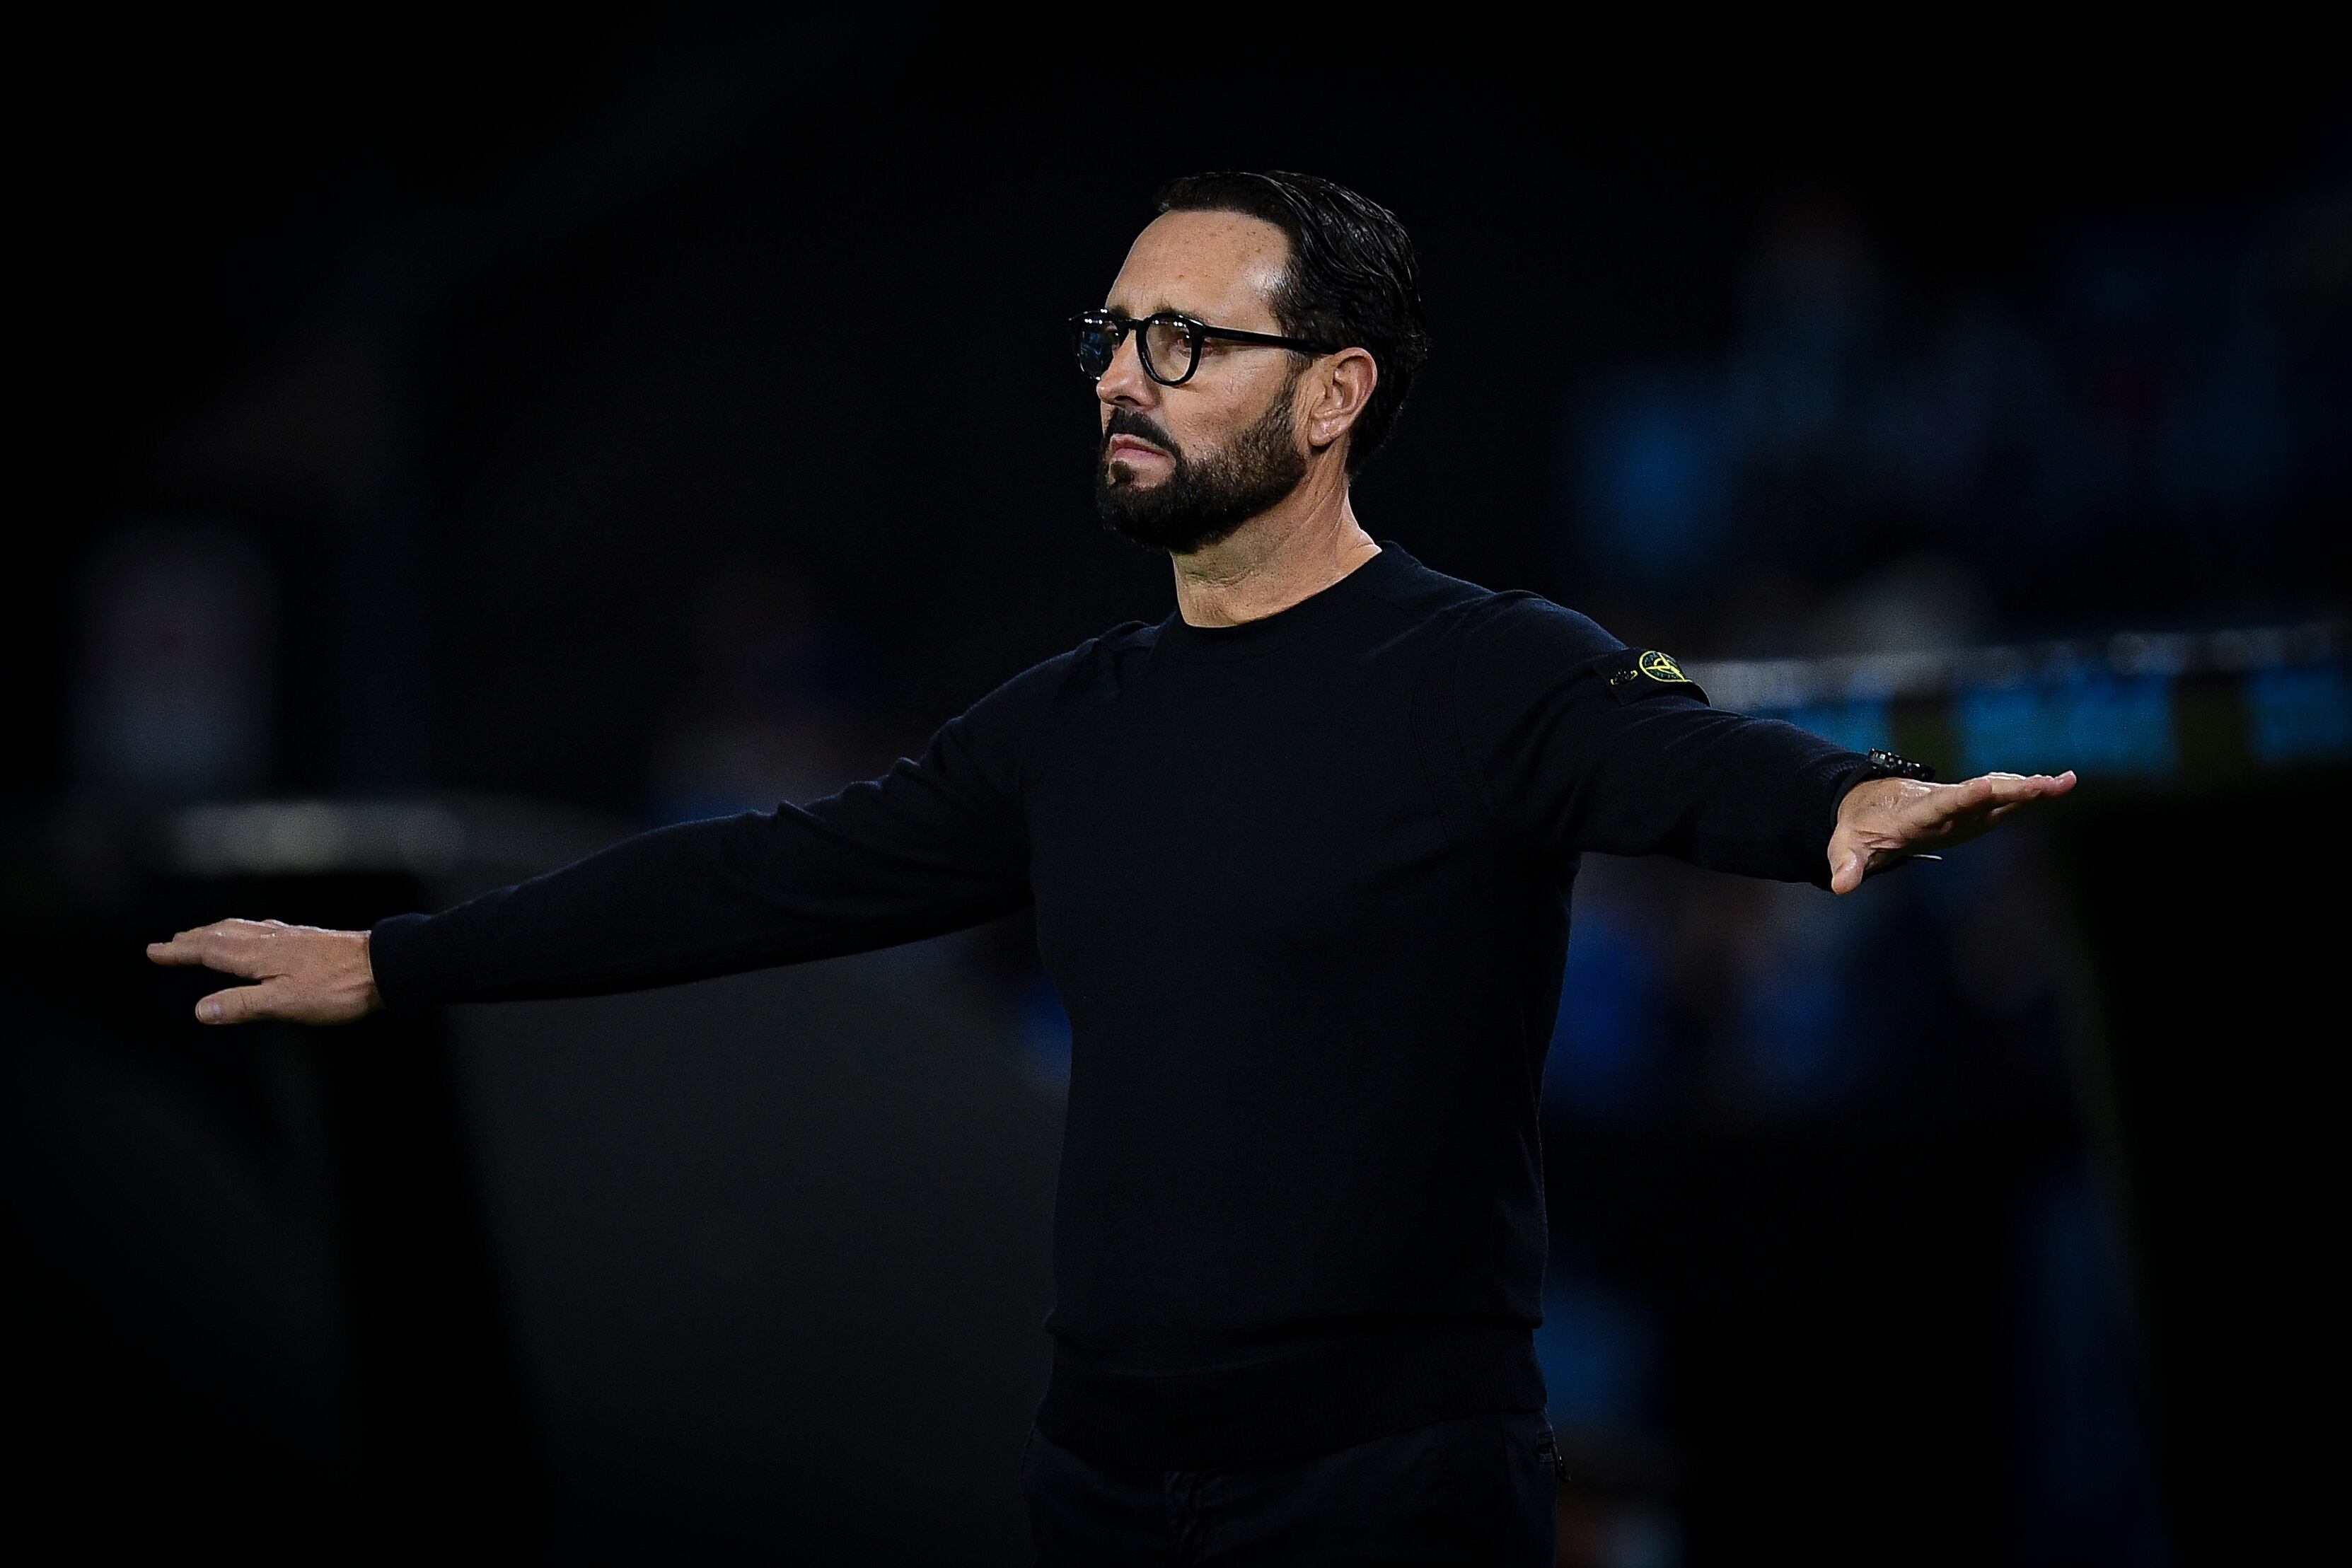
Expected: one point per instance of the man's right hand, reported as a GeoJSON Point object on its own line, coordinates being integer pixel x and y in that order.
{"type": "Point", "coordinates": [305, 974]}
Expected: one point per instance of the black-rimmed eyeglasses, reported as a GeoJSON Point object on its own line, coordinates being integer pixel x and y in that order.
{"type": "Point", "coordinates": [1168, 342]}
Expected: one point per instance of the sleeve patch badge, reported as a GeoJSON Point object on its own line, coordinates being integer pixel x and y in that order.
{"type": "Point", "coordinates": [1662, 667]}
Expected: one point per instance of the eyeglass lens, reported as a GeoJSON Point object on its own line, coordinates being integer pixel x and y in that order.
{"type": "Point", "coordinates": [1170, 347]}
{"type": "Point", "coordinates": [1097, 342]}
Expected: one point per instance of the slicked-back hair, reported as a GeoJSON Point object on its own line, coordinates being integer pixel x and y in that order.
{"type": "Point", "coordinates": [1353, 279]}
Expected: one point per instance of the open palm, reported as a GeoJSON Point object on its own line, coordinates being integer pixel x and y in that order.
{"type": "Point", "coordinates": [1885, 820]}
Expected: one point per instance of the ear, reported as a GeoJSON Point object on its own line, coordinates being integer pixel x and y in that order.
{"type": "Point", "coordinates": [1332, 395]}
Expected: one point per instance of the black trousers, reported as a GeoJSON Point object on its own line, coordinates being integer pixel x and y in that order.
{"type": "Point", "coordinates": [1476, 1490]}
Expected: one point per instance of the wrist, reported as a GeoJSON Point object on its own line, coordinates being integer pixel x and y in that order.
{"type": "Point", "coordinates": [1871, 792]}
{"type": "Point", "coordinates": [370, 998]}
{"type": "Point", "coordinates": [1881, 783]}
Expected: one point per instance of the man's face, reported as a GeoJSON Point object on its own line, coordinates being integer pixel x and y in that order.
{"type": "Point", "coordinates": [1180, 467]}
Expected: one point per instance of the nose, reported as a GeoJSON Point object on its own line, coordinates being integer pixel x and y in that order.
{"type": "Point", "coordinates": [1124, 384]}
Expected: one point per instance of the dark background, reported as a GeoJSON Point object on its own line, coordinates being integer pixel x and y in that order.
{"type": "Point", "coordinates": [547, 431]}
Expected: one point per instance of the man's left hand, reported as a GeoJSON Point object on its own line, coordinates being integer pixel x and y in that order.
{"type": "Point", "coordinates": [1882, 821]}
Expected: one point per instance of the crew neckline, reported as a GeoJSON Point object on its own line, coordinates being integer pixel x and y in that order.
{"type": "Point", "coordinates": [1285, 625]}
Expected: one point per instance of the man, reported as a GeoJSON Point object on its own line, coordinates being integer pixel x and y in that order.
{"type": "Point", "coordinates": [1300, 856]}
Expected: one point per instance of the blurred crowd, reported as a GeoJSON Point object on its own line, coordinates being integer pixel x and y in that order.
{"type": "Point", "coordinates": [2146, 428]}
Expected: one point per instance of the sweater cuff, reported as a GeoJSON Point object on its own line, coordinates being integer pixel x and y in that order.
{"type": "Point", "coordinates": [392, 953]}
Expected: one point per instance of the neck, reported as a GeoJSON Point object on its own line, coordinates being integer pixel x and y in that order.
{"type": "Point", "coordinates": [1293, 551]}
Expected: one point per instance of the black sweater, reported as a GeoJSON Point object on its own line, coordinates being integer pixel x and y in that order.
{"type": "Point", "coordinates": [1303, 884]}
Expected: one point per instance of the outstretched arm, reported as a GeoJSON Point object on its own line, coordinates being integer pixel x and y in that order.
{"type": "Point", "coordinates": [1594, 746]}
{"type": "Point", "coordinates": [938, 843]}
{"type": "Point", "coordinates": [1884, 822]}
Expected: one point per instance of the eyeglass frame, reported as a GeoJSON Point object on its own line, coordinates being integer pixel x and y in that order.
{"type": "Point", "coordinates": [1199, 332]}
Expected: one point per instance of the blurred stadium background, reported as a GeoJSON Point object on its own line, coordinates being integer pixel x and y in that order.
{"type": "Point", "coordinates": [460, 449]}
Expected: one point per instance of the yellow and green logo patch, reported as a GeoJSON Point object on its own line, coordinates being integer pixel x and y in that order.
{"type": "Point", "coordinates": [1662, 667]}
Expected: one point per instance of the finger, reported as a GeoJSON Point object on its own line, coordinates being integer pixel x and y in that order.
{"type": "Point", "coordinates": [2051, 789]}
{"type": "Point", "coordinates": [2003, 789]}
{"type": "Point", "coordinates": [233, 947]}
{"type": "Point", "coordinates": [1927, 803]}
{"type": "Point", "coordinates": [240, 1004]}
{"type": "Point", "coordinates": [183, 948]}
{"type": "Point", "coordinates": [1848, 875]}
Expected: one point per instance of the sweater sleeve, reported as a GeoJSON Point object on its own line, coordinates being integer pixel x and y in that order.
{"type": "Point", "coordinates": [1581, 743]}
{"type": "Point", "coordinates": [937, 843]}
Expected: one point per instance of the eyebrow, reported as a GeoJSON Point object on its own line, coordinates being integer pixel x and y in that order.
{"type": "Point", "coordinates": [1138, 315]}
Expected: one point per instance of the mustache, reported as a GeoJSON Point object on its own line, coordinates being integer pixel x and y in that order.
{"type": "Point", "coordinates": [1128, 422]}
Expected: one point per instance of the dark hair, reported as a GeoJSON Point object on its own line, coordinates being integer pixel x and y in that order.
{"type": "Point", "coordinates": [1352, 281]}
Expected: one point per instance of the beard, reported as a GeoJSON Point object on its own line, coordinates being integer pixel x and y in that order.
{"type": "Point", "coordinates": [1203, 501]}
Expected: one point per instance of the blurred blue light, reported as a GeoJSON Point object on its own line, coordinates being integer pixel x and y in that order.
{"type": "Point", "coordinates": [1043, 1034]}
{"type": "Point", "coordinates": [2298, 715]}
{"type": "Point", "coordinates": [1599, 1351]}
{"type": "Point", "coordinates": [2090, 1492]}
{"type": "Point", "coordinates": [1604, 1060]}
{"type": "Point", "coordinates": [1857, 725]}
{"type": "Point", "coordinates": [1654, 479]}
{"type": "Point", "coordinates": [1793, 1031]}
{"type": "Point", "coordinates": [2101, 724]}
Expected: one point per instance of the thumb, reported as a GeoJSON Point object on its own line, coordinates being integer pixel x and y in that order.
{"type": "Point", "coordinates": [240, 1004]}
